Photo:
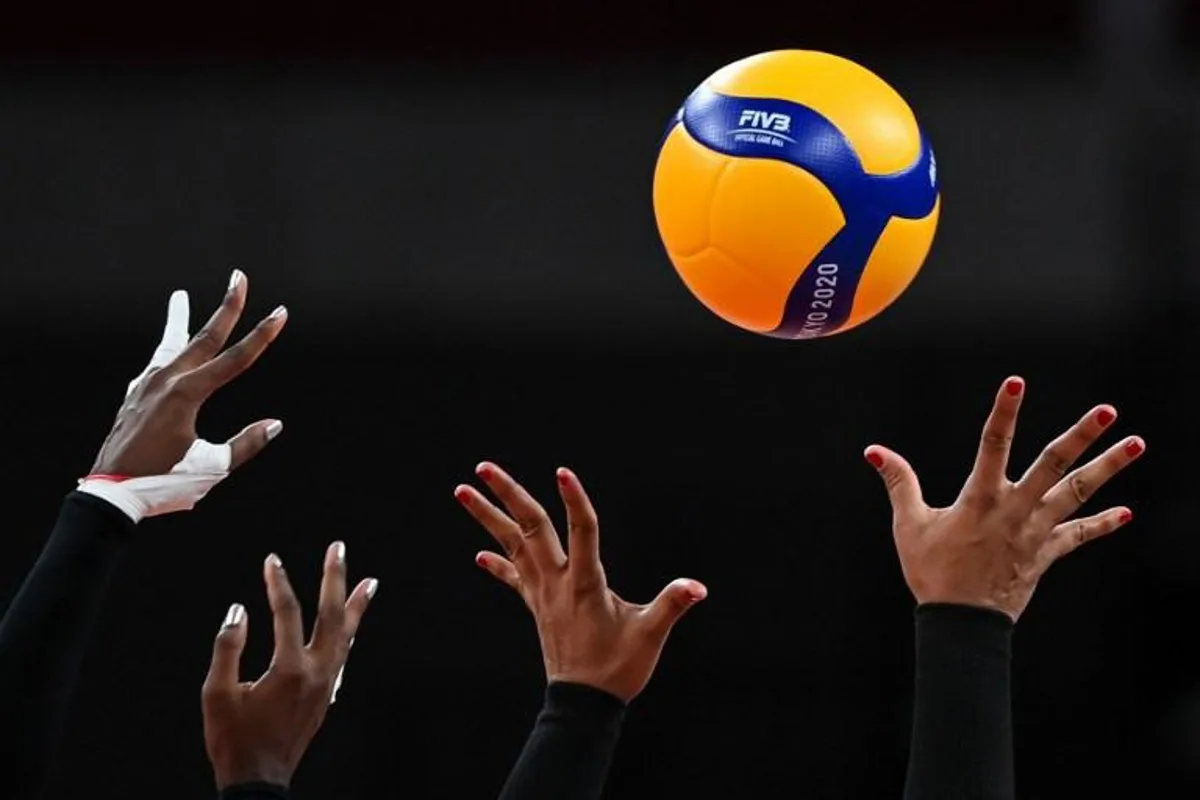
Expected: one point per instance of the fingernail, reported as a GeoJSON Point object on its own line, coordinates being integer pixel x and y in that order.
{"type": "Point", "coordinates": [372, 587]}
{"type": "Point", "coordinates": [481, 560]}
{"type": "Point", "coordinates": [1126, 515]}
{"type": "Point", "coordinates": [483, 470]}
{"type": "Point", "coordinates": [274, 429]}
{"type": "Point", "coordinates": [339, 552]}
{"type": "Point", "coordinates": [1105, 417]}
{"type": "Point", "coordinates": [235, 279]}
{"type": "Point", "coordinates": [279, 313]}
{"type": "Point", "coordinates": [874, 459]}
{"type": "Point", "coordinates": [462, 495]}
{"type": "Point", "coordinates": [234, 616]}
{"type": "Point", "coordinates": [274, 561]}
{"type": "Point", "coordinates": [1134, 448]}
{"type": "Point", "coordinates": [562, 475]}
{"type": "Point", "coordinates": [1014, 386]}
{"type": "Point", "coordinates": [697, 593]}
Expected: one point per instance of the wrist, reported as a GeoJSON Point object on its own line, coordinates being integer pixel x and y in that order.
{"type": "Point", "coordinates": [999, 602]}
{"type": "Point", "coordinates": [111, 489]}
{"type": "Point", "coordinates": [257, 772]}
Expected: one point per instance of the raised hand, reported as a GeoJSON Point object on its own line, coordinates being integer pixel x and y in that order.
{"type": "Point", "coordinates": [258, 732]}
{"type": "Point", "coordinates": [588, 634]}
{"type": "Point", "coordinates": [990, 548]}
{"type": "Point", "coordinates": [153, 461]}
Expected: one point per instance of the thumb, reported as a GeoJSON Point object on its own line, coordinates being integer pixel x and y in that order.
{"type": "Point", "coordinates": [227, 652]}
{"type": "Point", "coordinates": [903, 487]}
{"type": "Point", "coordinates": [671, 604]}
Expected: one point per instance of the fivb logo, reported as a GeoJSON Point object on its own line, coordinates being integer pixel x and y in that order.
{"type": "Point", "coordinates": [772, 121]}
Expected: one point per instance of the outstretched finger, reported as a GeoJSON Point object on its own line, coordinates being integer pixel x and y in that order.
{"type": "Point", "coordinates": [991, 460]}
{"type": "Point", "coordinates": [356, 606]}
{"type": "Point", "coordinates": [285, 608]}
{"type": "Point", "coordinates": [227, 653]}
{"type": "Point", "coordinates": [1057, 458]}
{"type": "Point", "coordinates": [583, 531]}
{"type": "Point", "coordinates": [252, 440]}
{"type": "Point", "coordinates": [671, 604]}
{"type": "Point", "coordinates": [900, 480]}
{"type": "Point", "coordinates": [506, 532]}
{"type": "Point", "coordinates": [537, 532]}
{"type": "Point", "coordinates": [209, 340]}
{"type": "Point", "coordinates": [500, 568]}
{"type": "Point", "coordinates": [215, 373]}
{"type": "Point", "coordinates": [1065, 498]}
{"type": "Point", "coordinates": [1068, 536]}
{"type": "Point", "coordinates": [329, 629]}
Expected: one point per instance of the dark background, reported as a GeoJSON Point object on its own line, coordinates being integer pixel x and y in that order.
{"type": "Point", "coordinates": [454, 202]}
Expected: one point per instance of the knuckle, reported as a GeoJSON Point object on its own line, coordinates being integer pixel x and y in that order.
{"type": "Point", "coordinates": [513, 547]}
{"type": "Point", "coordinates": [174, 387]}
{"type": "Point", "coordinates": [205, 338]}
{"type": "Point", "coordinates": [1055, 461]}
{"type": "Point", "coordinates": [1081, 487]}
{"type": "Point", "coordinates": [286, 603]}
{"type": "Point", "coordinates": [289, 672]}
{"type": "Point", "coordinates": [333, 613]}
{"type": "Point", "coordinates": [981, 501]}
{"type": "Point", "coordinates": [586, 526]}
{"type": "Point", "coordinates": [1080, 533]}
{"type": "Point", "coordinates": [154, 379]}
{"type": "Point", "coordinates": [995, 441]}
{"type": "Point", "coordinates": [533, 523]}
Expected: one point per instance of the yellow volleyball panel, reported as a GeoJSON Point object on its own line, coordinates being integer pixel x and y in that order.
{"type": "Point", "coordinates": [772, 218]}
{"type": "Point", "coordinates": [874, 118]}
{"type": "Point", "coordinates": [894, 263]}
{"type": "Point", "coordinates": [684, 179]}
{"type": "Point", "coordinates": [731, 291]}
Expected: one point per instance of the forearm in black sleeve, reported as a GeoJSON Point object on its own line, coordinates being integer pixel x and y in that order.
{"type": "Point", "coordinates": [568, 754]}
{"type": "Point", "coordinates": [962, 741]}
{"type": "Point", "coordinates": [45, 630]}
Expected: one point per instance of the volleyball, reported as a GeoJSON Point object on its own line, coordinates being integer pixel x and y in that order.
{"type": "Point", "coordinates": [795, 194]}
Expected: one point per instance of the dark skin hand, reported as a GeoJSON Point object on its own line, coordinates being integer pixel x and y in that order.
{"type": "Point", "coordinates": [156, 424]}
{"type": "Point", "coordinates": [589, 635]}
{"type": "Point", "coordinates": [258, 732]}
{"type": "Point", "coordinates": [992, 546]}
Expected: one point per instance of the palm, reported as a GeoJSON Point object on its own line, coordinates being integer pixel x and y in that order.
{"type": "Point", "coordinates": [993, 544]}
{"type": "Point", "coordinates": [588, 633]}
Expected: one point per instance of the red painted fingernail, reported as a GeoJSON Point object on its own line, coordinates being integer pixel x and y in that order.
{"type": "Point", "coordinates": [1126, 516]}
{"type": "Point", "coordinates": [562, 477]}
{"type": "Point", "coordinates": [875, 459]}
{"type": "Point", "coordinates": [484, 471]}
{"type": "Point", "coordinates": [463, 496]}
{"type": "Point", "coordinates": [1105, 417]}
{"type": "Point", "coordinates": [481, 560]}
{"type": "Point", "coordinates": [1134, 448]}
{"type": "Point", "coordinates": [1014, 386]}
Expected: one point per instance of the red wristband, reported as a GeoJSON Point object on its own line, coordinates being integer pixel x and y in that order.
{"type": "Point", "coordinates": [102, 477]}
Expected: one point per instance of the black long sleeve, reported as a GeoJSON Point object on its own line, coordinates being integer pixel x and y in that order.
{"type": "Point", "coordinates": [962, 740]}
{"type": "Point", "coordinates": [44, 633]}
{"type": "Point", "coordinates": [567, 756]}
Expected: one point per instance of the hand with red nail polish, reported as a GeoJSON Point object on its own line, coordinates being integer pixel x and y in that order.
{"type": "Point", "coordinates": [589, 635]}
{"type": "Point", "coordinates": [990, 548]}
{"type": "Point", "coordinates": [256, 733]}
